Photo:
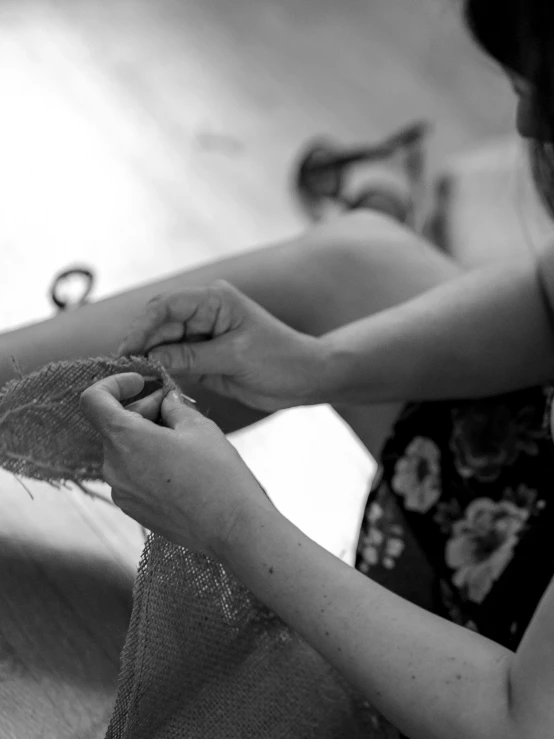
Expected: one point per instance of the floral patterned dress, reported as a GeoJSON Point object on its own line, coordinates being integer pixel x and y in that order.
{"type": "Point", "coordinates": [460, 519]}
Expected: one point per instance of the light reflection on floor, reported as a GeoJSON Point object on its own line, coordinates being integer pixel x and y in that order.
{"type": "Point", "coordinates": [315, 470]}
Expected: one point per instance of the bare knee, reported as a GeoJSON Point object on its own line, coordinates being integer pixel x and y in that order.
{"type": "Point", "coordinates": [359, 226]}
{"type": "Point", "coordinates": [366, 262]}
{"type": "Point", "coordinates": [365, 239]}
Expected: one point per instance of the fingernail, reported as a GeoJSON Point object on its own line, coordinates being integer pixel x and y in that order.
{"type": "Point", "coordinates": [180, 397]}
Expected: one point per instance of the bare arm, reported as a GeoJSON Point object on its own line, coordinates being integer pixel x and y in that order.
{"type": "Point", "coordinates": [274, 275]}
{"type": "Point", "coordinates": [479, 334]}
{"type": "Point", "coordinates": [484, 333]}
{"type": "Point", "coordinates": [430, 678]}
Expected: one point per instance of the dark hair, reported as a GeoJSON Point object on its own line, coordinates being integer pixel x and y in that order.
{"type": "Point", "coordinates": [519, 35]}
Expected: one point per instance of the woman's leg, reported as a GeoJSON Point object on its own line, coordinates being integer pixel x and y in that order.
{"type": "Point", "coordinates": [337, 272]}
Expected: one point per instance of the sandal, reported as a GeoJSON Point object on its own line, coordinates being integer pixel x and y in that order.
{"type": "Point", "coordinates": [323, 169]}
{"type": "Point", "coordinates": [62, 280]}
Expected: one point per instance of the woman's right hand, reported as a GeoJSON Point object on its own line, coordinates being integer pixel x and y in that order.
{"type": "Point", "coordinates": [222, 339]}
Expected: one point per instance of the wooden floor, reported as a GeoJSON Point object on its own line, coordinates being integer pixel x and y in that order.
{"type": "Point", "coordinates": [142, 136]}
{"type": "Point", "coordinates": [129, 123]}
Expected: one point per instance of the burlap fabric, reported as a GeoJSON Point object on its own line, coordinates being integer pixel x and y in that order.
{"type": "Point", "coordinates": [203, 659]}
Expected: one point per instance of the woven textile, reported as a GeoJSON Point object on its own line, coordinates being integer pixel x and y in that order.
{"type": "Point", "coordinates": [203, 659]}
{"type": "Point", "coordinates": [44, 435]}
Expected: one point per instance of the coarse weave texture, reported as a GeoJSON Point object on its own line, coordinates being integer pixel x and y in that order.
{"type": "Point", "coordinates": [203, 658]}
{"type": "Point", "coordinates": [44, 435]}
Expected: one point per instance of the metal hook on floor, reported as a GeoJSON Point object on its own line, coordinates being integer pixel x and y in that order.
{"type": "Point", "coordinates": [66, 303]}
{"type": "Point", "coordinates": [322, 168]}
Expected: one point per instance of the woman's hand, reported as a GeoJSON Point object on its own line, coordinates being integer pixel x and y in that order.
{"type": "Point", "coordinates": [185, 481]}
{"type": "Point", "coordinates": [220, 338]}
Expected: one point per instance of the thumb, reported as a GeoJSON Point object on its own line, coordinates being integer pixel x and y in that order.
{"type": "Point", "coordinates": [176, 411]}
{"type": "Point", "coordinates": [101, 403]}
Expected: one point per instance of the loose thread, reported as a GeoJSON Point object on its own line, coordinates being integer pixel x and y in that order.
{"type": "Point", "coordinates": [57, 470]}
{"type": "Point", "coordinates": [20, 481]}
{"type": "Point", "coordinates": [92, 494]}
{"type": "Point", "coordinates": [17, 368]}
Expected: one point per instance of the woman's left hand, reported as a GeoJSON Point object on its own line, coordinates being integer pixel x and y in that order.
{"type": "Point", "coordinates": [184, 481]}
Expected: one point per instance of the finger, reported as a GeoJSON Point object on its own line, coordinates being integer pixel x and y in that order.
{"type": "Point", "coordinates": [154, 315]}
{"type": "Point", "coordinates": [170, 308]}
{"type": "Point", "coordinates": [169, 333]}
{"type": "Point", "coordinates": [101, 402]}
{"type": "Point", "coordinates": [172, 333]}
{"type": "Point", "coordinates": [211, 357]}
{"type": "Point", "coordinates": [176, 412]}
{"type": "Point", "coordinates": [149, 407]}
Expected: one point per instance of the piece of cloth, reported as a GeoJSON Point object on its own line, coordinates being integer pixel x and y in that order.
{"type": "Point", "coordinates": [461, 514]}
{"type": "Point", "coordinates": [44, 435]}
{"type": "Point", "coordinates": [203, 658]}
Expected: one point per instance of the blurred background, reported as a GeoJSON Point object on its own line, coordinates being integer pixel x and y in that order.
{"type": "Point", "coordinates": [141, 137]}
{"type": "Point", "coordinates": [144, 136]}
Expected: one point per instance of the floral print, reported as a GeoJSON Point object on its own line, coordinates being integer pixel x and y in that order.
{"type": "Point", "coordinates": [417, 475]}
{"type": "Point", "coordinates": [482, 545]}
{"type": "Point", "coordinates": [470, 486]}
{"type": "Point", "coordinates": [447, 513]}
{"type": "Point", "coordinates": [487, 438]}
{"type": "Point", "coordinates": [381, 541]}
{"type": "Point", "coordinates": [455, 612]}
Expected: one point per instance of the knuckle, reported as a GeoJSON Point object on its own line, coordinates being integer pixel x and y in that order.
{"type": "Point", "coordinates": [221, 290]}
{"type": "Point", "coordinates": [214, 293]}
{"type": "Point", "coordinates": [173, 303]}
{"type": "Point", "coordinates": [156, 306]}
{"type": "Point", "coordinates": [154, 301]}
{"type": "Point", "coordinates": [221, 285]}
{"type": "Point", "coordinates": [227, 304]}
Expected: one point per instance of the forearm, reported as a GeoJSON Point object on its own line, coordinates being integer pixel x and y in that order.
{"type": "Point", "coordinates": [97, 329]}
{"type": "Point", "coordinates": [430, 678]}
{"type": "Point", "coordinates": [274, 276]}
{"type": "Point", "coordinates": [484, 333]}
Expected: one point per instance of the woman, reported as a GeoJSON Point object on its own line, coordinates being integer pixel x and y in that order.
{"type": "Point", "coordinates": [466, 481]}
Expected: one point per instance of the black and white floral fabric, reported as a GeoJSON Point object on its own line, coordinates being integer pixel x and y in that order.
{"type": "Point", "coordinates": [461, 515]}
